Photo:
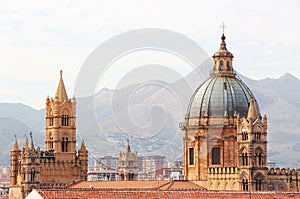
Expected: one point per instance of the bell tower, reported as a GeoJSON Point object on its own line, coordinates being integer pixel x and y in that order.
{"type": "Point", "coordinates": [61, 124]}
{"type": "Point", "coordinates": [60, 164]}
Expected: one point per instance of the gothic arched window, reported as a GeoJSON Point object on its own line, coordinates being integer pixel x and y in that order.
{"type": "Point", "coordinates": [51, 142]}
{"type": "Point", "coordinates": [245, 184]}
{"type": "Point", "coordinates": [51, 118]}
{"type": "Point", "coordinates": [66, 145]}
{"type": "Point", "coordinates": [32, 175]}
{"type": "Point", "coordinates": [259, 157]}
{"type": "Point", "coordinates": [65, 120]}
{"type": "Point", "coordinates": [244, 136]}
{"type": "Point", "coordinates": [63, 144]}
{"type": "Point", "coordinates": [244, 158]}
{"type": "Point", "coordinates": [131, 176]}
{"type": "Point", "coordinates": [257, 135]}
{"type": "Point", "coordinates": [258, 182]}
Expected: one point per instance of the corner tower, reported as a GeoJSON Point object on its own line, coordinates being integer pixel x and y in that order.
{"type": "Point", "coordinates": [25, 169]}
{"type": "Point", "coordinates": [252, 150]}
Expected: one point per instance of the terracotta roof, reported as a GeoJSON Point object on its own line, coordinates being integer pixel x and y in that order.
{"type": "Point", "coordinates": [181, 185]}
{"type": "Point", "coordinates": [93, 194]}
{"type": "Point", "coordinates": [137, 185]}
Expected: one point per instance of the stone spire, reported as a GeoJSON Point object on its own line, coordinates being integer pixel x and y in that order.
{"type": "Point", "coordinates": [26, 143]}
{"type": "Point", "coordinates": [48, 101]}
{"type": "Point", "coordinates": [82, 146]}
{"type": "Point", "coordinates": [16, 146]}
{"type": "Point", "coordinates": [128, 147]}
{"type": "Point", "coordinates": [223, 60]}
{"type": "Point", "coordinates": [61, 92]}
{"type": "Point", "coordinates": [31, 145]}
{"type": "Point", "coordinates": [265, 121]}
{"type": "Point", "coordinates": [252, 111]}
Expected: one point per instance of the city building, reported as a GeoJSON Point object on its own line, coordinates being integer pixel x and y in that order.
{"type": "Point", "coordinates": [60, 164]}
{"type": "Point", "coordinates": [149, 167]}
{"type": "Point", "coordinates": [225, 136]}
{"type": "Point", "coordinates": [128, 165]}
{"type": "Point", "coordinates": [170, 173]}
{"type": "Point", "coordinates": [3, 193]}
{"type": "Point", "coordinates": [176, 164]}
{"type": "Point", "coordinates": [4, 181]}
{"type": "Point", "coordinates": [109, 162]}
{"type": "Point", "coordinates": [4, 172]}
{"type": "Point", "coordinates": [100, 171]}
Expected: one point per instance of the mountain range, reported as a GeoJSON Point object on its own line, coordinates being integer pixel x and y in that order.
{"type": "Point", "coordinates": [149, 113]}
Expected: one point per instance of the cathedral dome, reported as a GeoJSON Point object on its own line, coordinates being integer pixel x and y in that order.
{"type": "Point", "coordinates": [220, 96]}
{"type": "Point", "coordinates": [223, 94]}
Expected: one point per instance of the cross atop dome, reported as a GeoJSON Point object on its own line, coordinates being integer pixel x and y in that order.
{"type": "Point", "coordinates": [223, 27]}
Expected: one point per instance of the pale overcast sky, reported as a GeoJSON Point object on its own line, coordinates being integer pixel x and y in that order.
{"type": "Point", "coordinates": [38, 38]}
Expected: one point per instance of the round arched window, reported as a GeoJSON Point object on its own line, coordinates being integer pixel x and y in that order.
{"type": "Point", "coordinates": [228, 65]}
{"type": "Point", "coordinates": [221, 65]}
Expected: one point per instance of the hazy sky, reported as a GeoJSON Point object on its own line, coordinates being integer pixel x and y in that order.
{"type": "Point", "coordinates": [38, 38]}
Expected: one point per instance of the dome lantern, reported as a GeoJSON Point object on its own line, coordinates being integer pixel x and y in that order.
{"type": "Point", "coordinates": [223, 61]}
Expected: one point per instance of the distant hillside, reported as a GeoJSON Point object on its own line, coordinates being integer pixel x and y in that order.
{"type": "Point", "coordinates": [149, 116]}
{"type": "Point", "coordinates": [10, 127]}
{"type": "Point", "coordinates": [29, 116]}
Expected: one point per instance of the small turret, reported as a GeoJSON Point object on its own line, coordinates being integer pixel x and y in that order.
{"type": "Point", "coordinates": [252, 111]}
{"type": "Point", "coordinates": [265, 121]}
{"type": "Point", "coordinates": [48, 101]}
{"type": "Point", "coordinates": [82, 146]}
{"type": "Point", "coordinates": [16, 146]}
{"type": "Point", "coordinates": [73, 101]}
{"type": "Point", "coordinates": [128, 147]}
{"type": "Point", "coordinates": [83, 159]}
{"type": "Point", "coordinates": [26, 143]}
{"type": "Point", "coordinates": [73, 98]}
{"type": "Point", "coordinates": [31, 145]}
{"type": "Point", "coordinates": [14, 158]}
